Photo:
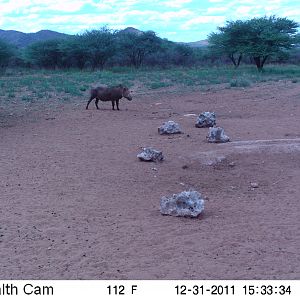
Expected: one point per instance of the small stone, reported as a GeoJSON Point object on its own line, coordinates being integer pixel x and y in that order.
{"type": "Point", "coordinates": [206, 119]}
{"type": "Point", "coordinates": [150, 154]}
{"type": "Point", "coordinates": [184, 204]}
{"type": "Point", "coordinates": [254, 185]}
{"type": "Point", "coordinates": [217, 135]}
{"type": "Point", "coordinates": [169, 127]}
{"type": "Point", "coordinates": [190, 115]}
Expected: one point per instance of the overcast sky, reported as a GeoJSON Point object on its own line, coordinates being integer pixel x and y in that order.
{"type": "Point", "coordinates": [176, 20]}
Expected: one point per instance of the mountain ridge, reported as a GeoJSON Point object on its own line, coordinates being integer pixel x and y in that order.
{"type": "Point", "coordinates": [22, 40]}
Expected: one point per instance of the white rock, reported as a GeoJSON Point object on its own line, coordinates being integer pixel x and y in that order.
{"type": "Point", "coordinates": [150, 154]}
{"type": "Point", "coordinates": [254, 185]}
{"type": "Point", "coordinates": [206, 119]}
{"type": "Point", "coordinates": [217, 135]}
{"type": "Point", "coordinates": [169, 127]}
{"type": "Point", "coordinates": [184, 204]}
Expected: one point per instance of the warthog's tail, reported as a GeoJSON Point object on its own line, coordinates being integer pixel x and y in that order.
{"type": "Point", "coordinates": [93, 95]}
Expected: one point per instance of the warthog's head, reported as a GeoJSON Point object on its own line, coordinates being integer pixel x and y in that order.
{"type": "Point", "coordinates": [126, 93]}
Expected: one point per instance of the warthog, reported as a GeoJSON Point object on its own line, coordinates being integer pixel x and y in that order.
{"type": "Point", "coordinates": [113, 94]}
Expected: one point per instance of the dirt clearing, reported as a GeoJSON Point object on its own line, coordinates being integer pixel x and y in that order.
{"type": "Point", "coordinates": [76, 203]}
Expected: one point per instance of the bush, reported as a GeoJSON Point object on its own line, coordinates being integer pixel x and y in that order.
{"type": "Point", "coordinates": [6, 53]}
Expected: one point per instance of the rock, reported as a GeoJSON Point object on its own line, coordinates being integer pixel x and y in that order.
{"type": "Point", "coordinates": [150, 154]}
{"type": "Point", "coordinates": [169, 127]}
{"type": "Point", "coordinates": [217, 135]}
{"type": "Point", "coordinates": [206, 119]}
{"type": "Point", "coordinates": [184, 204]}
{"type": "Point", "coordinates": [254, 185]}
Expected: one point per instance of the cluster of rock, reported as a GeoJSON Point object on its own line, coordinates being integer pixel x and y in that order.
{"type": "Point", "coordinates": [215, 134]}
{"type": "Point", "coordinates": [186, 203]}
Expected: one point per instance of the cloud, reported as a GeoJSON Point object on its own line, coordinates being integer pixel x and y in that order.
{"type": "Point", "coordinates": [203, 20]}
{"type": "Point", "coordinates": [244, 10]}
{"type": "Point", "coordinates": [169, 16]}
{"type": "Point", "coordinates": [213, 10]}
{"type": "Point", "coordinates": [22, 7]}
{"type": "Point", "coordinates": [176, 3]}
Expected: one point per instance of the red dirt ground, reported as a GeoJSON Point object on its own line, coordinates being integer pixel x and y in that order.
{"type": "Point", "coordinates": [76, 203]}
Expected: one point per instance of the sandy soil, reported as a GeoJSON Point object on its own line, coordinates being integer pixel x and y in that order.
{"type": "Point", "coordinates": [76, 203]}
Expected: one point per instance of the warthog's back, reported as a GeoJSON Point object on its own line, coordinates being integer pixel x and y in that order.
{"type": "Point", "coordinates": [109, 94]}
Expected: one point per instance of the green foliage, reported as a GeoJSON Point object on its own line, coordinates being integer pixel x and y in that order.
{"type": "Point", "coordinates": [6, 53]}
{"type": "Point", "coordinates": [26, 86]}
{"type": "Point", "coordinates": [241, 82]}
{"type": "Point", "coordinates": [136, 46]}
{"type": "Point", "coordinates": [99, 45]}
{"type": "Point", "coordinates": [45, 54]}
{"type": "Point", "coordinates": [267, 37]}
{"type": "Point", "coordinates": [93, 47]}
{"type": "Point", "coordinates": [259, 38]}
{"type": "Point", "coordinates": [229, 41]}
{"type": "Point", "coordinates": [74, 52]}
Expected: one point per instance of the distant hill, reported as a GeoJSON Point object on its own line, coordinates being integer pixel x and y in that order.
{"type": "Point", "coordinates": [131, 30]}
{"type": "Point", "coordinates": [21, 39]}
{"type": "Point", "coordinates": [199, 44]}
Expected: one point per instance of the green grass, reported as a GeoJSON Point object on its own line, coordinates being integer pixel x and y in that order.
{"type": "Point", "coordinates": [240, 82]}
{"type": "Point", "coordinates": [41, 85]}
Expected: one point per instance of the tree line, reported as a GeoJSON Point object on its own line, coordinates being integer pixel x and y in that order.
{"type": "Point", "coordinates": [252, 41]}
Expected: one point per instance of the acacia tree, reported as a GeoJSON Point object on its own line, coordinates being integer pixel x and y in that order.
{"type": "Point", "coordinates": [100, 46]}
{"type": "Point", "coordinates": [74, 52]}
{"type": "Point", "coordinates": [268, 37]}
{"type": "Point", "coordinates": [228, 41]}
{"type": "Point", "coordinates": [6, 52]}
{"type": "Point", "coordinates": [45, 54]}
{"type": "Point", "coordinates": [136, 46]}
{"type": "Point", "coordinates": [259, 38]}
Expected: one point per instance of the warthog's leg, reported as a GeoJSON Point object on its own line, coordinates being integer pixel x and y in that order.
{"type": "Point", "coordinates": [113, 105]}
{"type": "Point", "coordinates": [117, 104]}
{"type": "Point", "coordinates": [96, 103]}
{"type": "Point", "coordinates": [87, 106]}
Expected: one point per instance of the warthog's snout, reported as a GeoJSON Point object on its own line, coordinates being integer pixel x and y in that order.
{"type": "Point", "coordinates": [127, 94]}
